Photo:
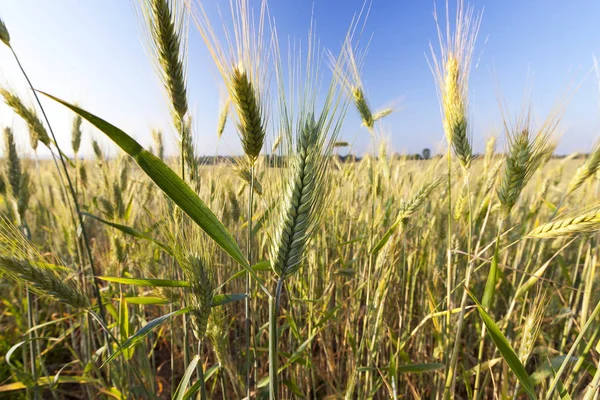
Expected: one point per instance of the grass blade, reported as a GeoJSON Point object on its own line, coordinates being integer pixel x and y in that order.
{"type": "Point", "coordinates": [145, 282]}
{"type": "Point", "coordinates": [146, 300]}
{"type": "Point", "coordinates": [143, 332]}
{"type": "Point", "coordinates": [185, 380]}
{"type": "Point", "coordinates": [490, 284]}
{"type": "Point", "coordinates": [420, 368]}
{"type": "Point", "coordinates": [132, 232]}
{"type": "Point", "coordinates": [221, 299]}
{"type": "Point", "coordinates": [506, 350]}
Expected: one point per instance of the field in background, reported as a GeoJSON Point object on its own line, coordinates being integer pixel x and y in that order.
{"type": "Point", "coordinates": [325, 313]}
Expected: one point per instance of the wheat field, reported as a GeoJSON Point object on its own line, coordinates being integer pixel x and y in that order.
{"type": "Point", "coordinates": [291, 271]}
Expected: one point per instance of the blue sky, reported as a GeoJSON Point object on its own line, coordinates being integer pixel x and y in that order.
{"type": "Point", "coordinates": [92, 52]}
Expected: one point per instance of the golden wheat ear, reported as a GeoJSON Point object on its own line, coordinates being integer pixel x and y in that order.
{"type": "Point", "coordinates": [574, 223]}
{"type": "Point", "coordinates": [451, 69]}
{"type": "Point", "coordinates": [586, 170]}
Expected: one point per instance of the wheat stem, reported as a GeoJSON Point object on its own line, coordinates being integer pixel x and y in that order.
{"type": "Point", "coordinates": [71, 189]}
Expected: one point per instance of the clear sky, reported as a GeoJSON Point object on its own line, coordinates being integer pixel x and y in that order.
{"type": "Point", "coordinates": [91, 52]}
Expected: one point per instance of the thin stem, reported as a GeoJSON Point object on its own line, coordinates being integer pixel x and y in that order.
{"type": "Point", "coordinates": [248, 288]}
{"type": "Point", "coordinates": [200, 372]}
{"type": "Point", "coordinates": [449, 260]}
{"type": "Point", "coordinates": [574, 346]}
{"type": "Point", "coordinates": [71, 190]}
{"type": "Point", "coordinates": [32, 355]}
{"type": "Point", "coordinates": [109, 335]}
{"type": "Point", "coordinates": [183, 139]}
{"type": "Point", "coordinates": [451, 377]}
{"type": "Point", "coordinates": [483, 328]}
{"type": "Point", "coordinates": [273, 338]}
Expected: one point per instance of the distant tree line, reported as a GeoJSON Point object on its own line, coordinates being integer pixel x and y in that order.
{"type": "Point", "coordinates": [274, 160]}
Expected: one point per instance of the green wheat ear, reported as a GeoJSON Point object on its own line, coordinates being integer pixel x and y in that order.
{"type": "Point", "coordinates": [45, 281]}
{"type": "Point", "coordinates": [165, 23]}
{"type": "Point", "coordinates": [4, 35]}
{"type": "Point", "coordinates": [20, 260]}
{"type": "Point", "coordinates": [16, 178]}
{"type": "Point", "coordinates": [518, 162]}
{"type": "Point", "coordinates": [297, 216]}
{"type": "Point", "coordinates": [360, 102]}
{"type": "Point", "coordinates": [157, 138]}
{"type": "Point", "coordinates": [37, 132]}
{"type": "Point", "coordinates": [166, 28]}
{"type": "Point", "coordinates": [250, 125]}
{"type": "Point", "coordinates": [242, 64]}
{"type": "Point", "coordinates": [76, 134]}
{"type": "Point", "coordinates": [202, 292]}
{"type": "Point", "coordinates": [527, 152]}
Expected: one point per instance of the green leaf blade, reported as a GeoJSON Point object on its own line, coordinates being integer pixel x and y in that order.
{"type": "Point", "coordinates": [506, 350]}
{"type": "Point", "coordinates": [145, 281]}
{"type": "Point", "coordinates": [169, 182]}
{"type": "Point", "coordinates": [143, 332]}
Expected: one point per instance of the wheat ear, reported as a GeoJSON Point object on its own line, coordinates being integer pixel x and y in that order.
{"type": "Point", "coordinates": [17, 180]}
{"type": "Point", "coordinates": [588, 169]}
{"type": "Point", "coordinates": [451, 68]}
{"type": "Point", "coordinates": [246, 103]}
{"type": "Point", "coordinates": [45, 281]}
{"type": "Point", "coordinates": [527, 152]}
{"type": "Point", "coordinates": [4, 35]}
{"type": "Point", "coordinates": [21, 261]}
{"type": "Point", "coordinates": [200, 276]}
{"type": "Point", "coordinates": [298, 213]}
{"type": "Point", "coordinates": [37, 132]}
{"type": "Point", "coordinates": [223, 118]}
{"type": "Point", "coordinates": [583, 222]}
{"type": "Point", "coordinates": [76, 134]}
